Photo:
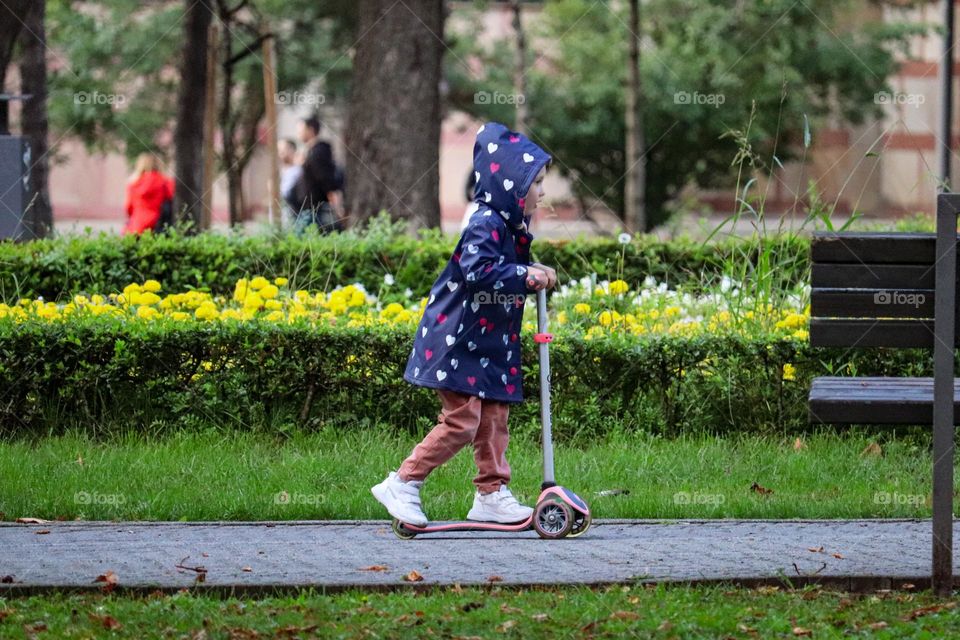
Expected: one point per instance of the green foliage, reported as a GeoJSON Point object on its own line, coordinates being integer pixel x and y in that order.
{"type": "Point", "coordinates": [789, 62]}
{"type": "Point", "coordinates": [69, 265]}
{"type": "Point", "coordinates": [101, 372]}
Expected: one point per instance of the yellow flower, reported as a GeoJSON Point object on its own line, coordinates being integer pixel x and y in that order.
{"type": "Point", "coordinates": [207, 311]}
{"type": "Point", "coordinates": [240, 291]}
{"type": "Point", "coordinates": [618, 286]}
{"type": "Point", "coordinates": [273, 305]}
{"type": "Point", "coordinates": [269, 291]}
{"type": "Point", "coordinates": [582, 308]}
{"type": "Point", "coordinates": [280, 281]}
{"type": "Point", "coordinates": [151, 285]}
{"type": "Point", "coordinates": [258, 283]}
{"type": "Point", "coordinates": [147, 313]}
{"type": "Point", "coordinates": [788, 372]}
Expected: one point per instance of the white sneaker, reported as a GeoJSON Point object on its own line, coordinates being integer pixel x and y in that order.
{"type": "Point", "coordinates": [499, 506]}
{"type": "Point", "coordinates": [402, 499]}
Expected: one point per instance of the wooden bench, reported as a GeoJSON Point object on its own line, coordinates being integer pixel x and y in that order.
{"type": "Point", "coordinates": [894, 290]}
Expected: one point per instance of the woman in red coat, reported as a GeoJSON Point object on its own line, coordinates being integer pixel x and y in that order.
{"type": "Point", "coordinates": [146, 191]}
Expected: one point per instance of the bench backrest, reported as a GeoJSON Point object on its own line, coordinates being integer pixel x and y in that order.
{"type": "Point", "coordinates": [872, 289]}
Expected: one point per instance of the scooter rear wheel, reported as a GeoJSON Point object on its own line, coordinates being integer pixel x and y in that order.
{"type": "Point", "coordinates": [553, 519]}
{"type": "Point", "coordinates": [402, 532]}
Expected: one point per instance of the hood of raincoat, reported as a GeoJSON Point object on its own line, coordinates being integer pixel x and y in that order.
{"type": "Point", "coordinates": [505, 164]}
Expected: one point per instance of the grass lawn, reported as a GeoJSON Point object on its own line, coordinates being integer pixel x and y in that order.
{"type": "Point", "coordinates": [210, 475]}
{"type": "Point", "coordinates": [658, 612]}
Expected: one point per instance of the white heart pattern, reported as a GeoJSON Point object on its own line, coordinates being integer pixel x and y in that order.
{"type": "Point", "coordinates": [472, 248]}
{"type": "Point", "coordinates": [423, 332]}
{"type": "Point", "coordinates": [491, 147]}
{"type": "Point", "coordinates": [474, 306]}
{"type": "Point", "coordinates": [505, 214]}
{"type": "Point", "coordinates": [450, 341]}
{"type": "Point", "coordinates": [460, 328]}
{"type": "Point", "coordinates": [432, 298]}
{"type": "Point", "coordinates": [504, 378]}
{"type": "Point", "coordinates": [471, 277]}
{"type": "Point", "coordinates": [505, 339]}
{"type": "Point", "coordinates": [441, 374]}
{"type": "Point", "coordinates": [527, 157]}
{"type": "Point", "coordinates": [454, 363]}
{"type": "Point", "coordinates": [476, 176]}
{"type": "Point", "coordinates": [484, 362]}
{"type": "Point", "coordinates": [416, 372]}
{"type": "Point", "coordinates": [521, 270]}
{"type": "Point", "coordinates": [480, 130]}
{"type": "Point", "coordinates": [487, 197]}
{"type": "Point", "coordinates": [452, 285]}
{"type": "Point", "coordinates": [482, 394]}
{"type": "Point", "coordinates": [508, 184]}
{"type": "Point", "coordinates": [501, 260]}
{"type": "Point", "coordinates": [471, 345]}
{"type": "Point", "coordinates": [509, 353]}
{"type": "Point", "coordinates": [498, 285]}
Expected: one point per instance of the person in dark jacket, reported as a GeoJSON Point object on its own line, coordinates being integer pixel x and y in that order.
{"type": "Point", "coordinates": [467, 345]}
{"type": "Point", "coordinates": [318, 182]}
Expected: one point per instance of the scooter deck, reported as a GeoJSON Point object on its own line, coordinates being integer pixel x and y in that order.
{"type": "Point", "coordinates": [469, 525]}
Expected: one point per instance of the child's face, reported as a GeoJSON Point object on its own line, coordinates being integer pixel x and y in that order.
{"type": "Point", "coordinates": [535, 193]}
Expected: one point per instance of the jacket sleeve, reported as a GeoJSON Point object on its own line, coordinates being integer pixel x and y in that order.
{"type": "Point", "coordinates": [480, 262]}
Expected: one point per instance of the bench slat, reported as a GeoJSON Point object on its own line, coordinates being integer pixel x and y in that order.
{"type": "Point", "coordinates": [909, 401]}
{"type": "Point", "coordinates": [869, 248]}
{"type": "Point", "coordinates": [872, 276]}
{"type": "Point", "coordinates": [871, 303]}
{"type": "Point", "coordinates": [902, 334]}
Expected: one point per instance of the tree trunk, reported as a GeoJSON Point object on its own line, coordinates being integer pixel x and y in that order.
{"type": "Point", "coordinates": [12, 14]}
{"type": "Point", "coordinates": [393, 132]}
{"type": "Point", "coordinates": [189, 132]}
{"type": "Point", "coordinates": [634, 214]}
{"type": "Point", "coordinates": [33, 81]}
{"type": "Point", "coordinates": [519, 69]}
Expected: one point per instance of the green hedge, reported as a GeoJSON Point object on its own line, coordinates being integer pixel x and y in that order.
{"type": "Point", "coordinates": [98, 373]}
{"type": "Point", "coordinates": [83, 264]}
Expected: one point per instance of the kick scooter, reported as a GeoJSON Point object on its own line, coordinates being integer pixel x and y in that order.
{"type": "Point", "coordinates": [560, 513]}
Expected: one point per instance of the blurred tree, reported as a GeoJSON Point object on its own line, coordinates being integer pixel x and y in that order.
{"type": "Point", "coordinates": [705, 65]}
{"type": "Point", "coordinates": [393, 132]}
{"type": "Point", "coordinates": [34, 124]}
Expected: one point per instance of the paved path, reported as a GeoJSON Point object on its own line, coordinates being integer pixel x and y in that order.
{"type": "Point", "coordinates": [262, 557]}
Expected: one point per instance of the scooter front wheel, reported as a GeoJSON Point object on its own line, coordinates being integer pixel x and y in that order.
{"type": "Point", "coordinates": [553, 519]}
{"type": "Point", "coordinates": [580, 525]}
{"type": "Point", "coordinates": [402, 532]}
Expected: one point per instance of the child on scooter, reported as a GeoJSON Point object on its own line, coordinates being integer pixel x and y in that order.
{"type": "Point", "coordinates": [467, 345]}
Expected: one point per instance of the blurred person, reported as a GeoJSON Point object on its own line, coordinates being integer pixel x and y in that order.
{"type": "Point", "coordinates": [148, 191]}
{"type": "Point", "coordinates": [290, 173]}
{"type": "Point", "coordinates": [318, 182]}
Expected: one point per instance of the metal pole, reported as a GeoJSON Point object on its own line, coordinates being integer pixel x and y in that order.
{"type": "Point", "coordinates": [946, 97]}
{"type": "Point", "coordinates": [548, 477]}
{"type": "Point", "coordinates": [943, 391]}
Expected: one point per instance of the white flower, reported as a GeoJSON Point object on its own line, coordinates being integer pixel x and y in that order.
{"type": "Point", "coordinates": [388, 280]}
{"type": "Point", "coordinates": [624, 238]}
{"type": "Point", "coordinates": [649, 282]}
{"type": "Point", "coordinates": [408, 292]}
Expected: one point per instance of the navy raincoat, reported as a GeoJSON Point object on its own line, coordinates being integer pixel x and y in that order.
{"type": "Point", "coordinates": [469, 337]}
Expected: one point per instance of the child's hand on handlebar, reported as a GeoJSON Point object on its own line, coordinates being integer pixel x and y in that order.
{"type": "Point", "coordinates": [540, 277]}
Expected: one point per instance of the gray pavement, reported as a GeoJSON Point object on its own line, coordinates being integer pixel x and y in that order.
{"type": "Point", "coordinates": [270, 557]}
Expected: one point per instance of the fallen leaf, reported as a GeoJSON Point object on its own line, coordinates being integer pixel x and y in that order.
{"type": "Point", "coordinates": [798, 445]}
{"type": "Point", "coordinates": [506, 626]}
{"type": "Point", "coordinates": [666, 625]}
{"type": "Point", "coordinates": [800, 631]}
{"type": "Point", "coordinates": [41, 532]}
{"type": "Point", "coordinates": [413, 576]}
{"type": "Point", "coordinates": [505, 608]}
{"type": "Point", "coordinates": [6, 579]}
{"type": "Point", "coordinates": [375, 567]}
{"type": "Point", "coordinates": [837, 556]}
{"type": "Point", "coordinates": [872, 449]}
{"type": "Point", "coordinates": [815, 549]}
{"type": "Point", "coordinates": [109, 579]}
{"type": "Point", "coordinates": [80, 459]}
{"type": "Point", "coordinates": [745, 629]}
{"type": "Point", "coordinates": [761, 490]}
{"type": "Point", "coordinates": [31, 521]}
{"type": "Point", "coordinates": [108, 622]}
{"type": "Point", "coordinates": [876, 626]}
{"type": "Point", "coordinates": [933, 608]}
{"type": "Point", "coordinates": [247, 569]}
{"type": "Point", "coordinates": [540, 617]}
{"type": "Point", "coordinates": [494, 579]}
{"type": "Point", "coordinates": [624, 615]}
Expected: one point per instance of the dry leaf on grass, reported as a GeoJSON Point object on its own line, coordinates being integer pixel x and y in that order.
{"type": "Point", "coordinates": [624, 615]}
{"type": "Point", "coordinates": [872, 449]}
{"type": "Point", "coordinates": [109, 580]}
{"type": "Point", "coordinates": [31, 521]}
{"type": "Point", "coordinates": [798, 445]}
{"type": "Point", "coordinates": [756, 488]}
{"type": "Point", "coordinates": [375, 567]}
{"type": "Point", "coordinates": [800, 631]}
{"type": "Point", "coordinates": [413, 576]}
{"type": "Point", "coordinates": [506, 626]}
{"type": "Point", "coordinates": [494, 579]}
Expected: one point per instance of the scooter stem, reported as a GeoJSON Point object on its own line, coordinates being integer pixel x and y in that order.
{"type": "Point", "coordinates": [546, 425]}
